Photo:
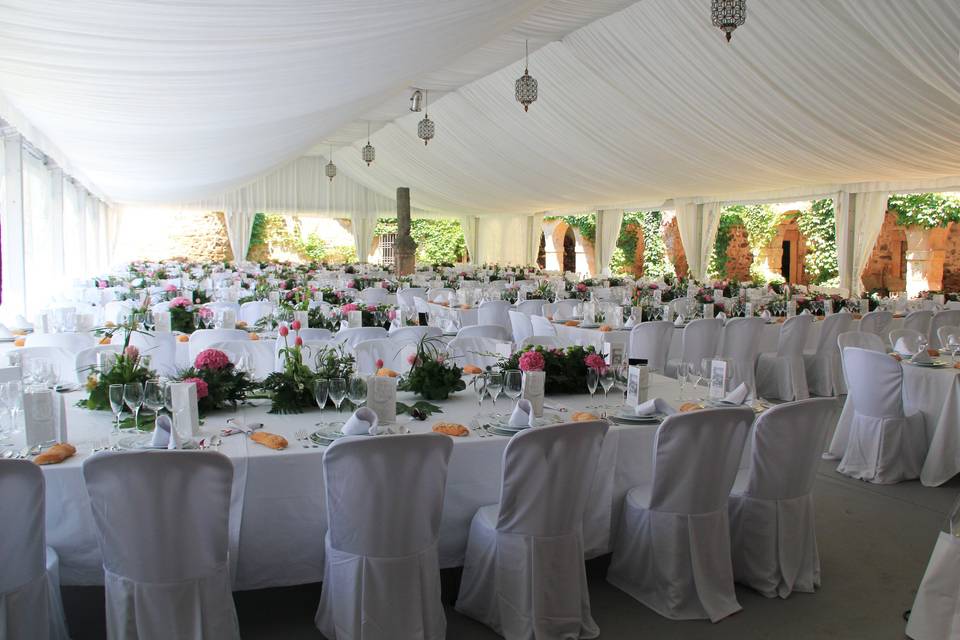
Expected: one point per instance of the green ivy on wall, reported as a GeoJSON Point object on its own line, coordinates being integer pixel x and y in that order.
{"type": "Point", "coordinates": [927, 210]}
{"type": "Point", "coordinates": [818, 226]}
{"type": "Point", "coordinates": [718, 259]}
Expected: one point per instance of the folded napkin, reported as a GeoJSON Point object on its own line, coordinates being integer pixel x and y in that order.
{"type": "Point", "coordinates": [629, 324]}
{"type": "Point", "coordinates": [921, 357]}
{"type": "Point", "coordinates": [21, 323]}
{"type": "Point", "coordinates": [164, 435]}
{"type": "Point", "coordinates": [522, 415]}
{"type": "Point", "coordinates": [765, 314]}
{"type": "Point", "coordinates": [902, 348]}
{"type": "Point", "coordinates": [237, 427]}
{"type": "Point", "coordinates": [738, 395]}
{"type": "Point", "coordinates": [4, 332]}
{"type": "Point", "coordinates": [721, 316]}
{"type": "Point", "coordinates": [805, 312]}
{"type": "Point", "coordinates": [654, 406]}
{"type": "Point", "coordinates": [679, 321]}
{"type": "Point", "coordinates": [363, 422]}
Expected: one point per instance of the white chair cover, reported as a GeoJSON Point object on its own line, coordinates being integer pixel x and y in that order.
{"type": "Point", "coordinates": [523, 574]}
{"type": "Point", "coordinates": [494, 331]}
{"type": "Point", "coordinates": [315, 335]}
{"type": "Point", "coordinates": [30, 604]}
{"type": "Point", "coordinates": [876, 322]}
{"type": "Point", "coordinates": [251, 312]}
{"type": "Point", "coordinates": [65, 361]}
{"type": "Point", "coordinates": [542, 327]}
{"type": "Point", "coordinates": [672, 550]}
{"type": "Point", "coordinates": [87, 359]}
{"type": "Point", "coordinates": [565, 309]}
{"type": "Point", "coordinates": [823, 367]}
{"type": "Point", "coordinates": [353, 336]}
{"type": "Point", "coordinates": [919, 321]}
{"type": "Point", "coordinates": [936, 609]}
{"type": "Point", "coordinates": [521, 325]}
{"type": "Point", "coordinates": [117, 311]}
{"type": "Point", "coordinates": [906, 342]}
{"type": "Point", "coordinates": [405, 298]}
{"type": "Point", "coordinates": [494, 312]}
{"type": "Point", "coordinates": [741, 347]}
{"type": "Point", "coordinates": [393, 352]}
{"type": "Point", "coordinates": [552, 342]}
{"type": "Point", "coordinates": [530, 307]}
{"type": "Point", "coordinates": [651, 342]}
{"type": "Point", "coordinates": [950, 318]}
{"type": "Point", "coordinates": [414, 334]}
{"type": "Point", "coordinates": [374, 295]}
{"type": "Point", "coordinates": [71, 342]}
{"type": "Point", "coordinates": [161, 347]}
{"type": "Point", "coordinates": [772, 534]}
{"type": "Point", "coordinates": [382, 577]}
{"type": "Point", "coordinates": [10, 374]}
{"type": "Point", "coordinates": [861, 339]}
{"type": "Point", "coordinates": [700, 340]}
{"type": "Point", "coordinates": [164, 543]}
{"type": "Point", "coordinates": [781, 375]}
{"type": "Point", "coordinates": [257, 354]}
{"type": "Point", "coordinates": [943, 335]}
{"type": "Point", "coordinates": [439, 294]}
{"type": "Point", "coordinates": [476, 350]}
{"type": "Point", "coordinates": [203, 338]}
{"type": "Point", "coordinates": [885, 444]}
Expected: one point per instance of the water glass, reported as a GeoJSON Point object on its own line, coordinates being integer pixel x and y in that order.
{"type": "Point", "coordinates": [494, 387]}
{"type": "Point", "coordinates": [683, 373]}
{"type": "Point", "coordinates": [513, 384]}
{"type": "Point", "coordinates": [480, 387]}
{"type": "Point", "coordinates": [607, 379]}
{"type": "Point", "coordinates": [115, 394]}
{"type": "Point", "coordinates": [337, 390]}
{"type": "Point", "coordinates": [153, 399]}
{"type": "Point", "coordinates": [357, 391]}
{"type": "Point", "coordinates": [133, 398]}
{"type": "Point", "coordinates": [593, 379]}
{"type": "Point", "coordinates": [320, 388]}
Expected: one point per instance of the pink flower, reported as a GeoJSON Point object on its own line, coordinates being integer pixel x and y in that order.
{"type": "Point", "coordinates": [351, 285]}
{"type": "Point", "coordinates": [180, 301]}
{"type": "Point", "coordinates": [532, 361]}
{"type": "Point", "coordinates": [102, 284]}
{"type": "Point", "coordinates": [379, 363]}
{"type": "Point", "coordinates": [653, 286]}
{"type": "Point", "coordinates": [371, 308]}
{"type": "Point", "coordinates": [392, 315]}
{"type": "Point", "coordinates": [581, 287]}
{"type": "Point", "coordinates": [295, 325]}
{"type": "Point", "coordinates": [595, 361]}
{"type": "Point", "coordinates": [283, 285]}
{"type": "Point", "coordinates": [206, 313]}
{"type": "Point", "coordinates": [412, 359]}
{"type": "Point", "coordinates": [131, 352]}
{"type": "Point", "coordinates": [298, 342]}
{"type": "Point", "coordinates": [708, 299]}
{"type": "Point", "coordinates": [347, 308]}
{"type": "Point", "coordinates": [202, 389]}
{"type": "Point", "coordinates": [170, 288]}
{"type": "Point", "coordinates": [283, 331]}
{"type": "Point", "coordinates": [211, 359]}
{"type": "Point", "coordinates": [384, 284]}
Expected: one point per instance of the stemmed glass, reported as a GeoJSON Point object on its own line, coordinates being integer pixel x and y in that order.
{"type": "Point", "coordinates": [115, 393]}
{"type": "Point", "coordinates": [703, 377]}
{"type": "Point", "coordinates": [593, 379]}
{"type": "Point", "coordinates": [320, 388]}
{"type": "Point", "coordinates": [153, 397]}
{"type": "Point", "coordinates": [513, 384]}
{"type": "Point", "coordinates": [607, 379]}
{"type": "Point", "coordinates": [494, 387]}
{"type": "Point", "coordinates": [683, 372]}
{"type": "Point", "coordinates": [357, 391]}
{"type": "Point", "coordinates": [11, 396]}
{"type": "Point", "coordinates": [337, 390]}
{"type": "Point", "coordinates": [953, 344]}
{"type": "Point", "coordinates": [133, 397]}
{"type": "Point", "coordinates": [480, 386]}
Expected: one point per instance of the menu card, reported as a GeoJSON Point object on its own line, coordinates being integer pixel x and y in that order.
{"type": "Point", "coordinates": [718, 379]}
{"type": "Point", "coordinates": [382, 397]}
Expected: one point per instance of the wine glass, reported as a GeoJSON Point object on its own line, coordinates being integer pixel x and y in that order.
{"type": "Point", "coordinates": [153, 397]}
{"type": "Point", "coordinates": [115, 393]}
{"type": "Point", "coordinates": [683, 373]}
{"type": "Point", "coordinates": [607, 379]}
{"type": "Point", "coordinates": [953, 343]}
{"type": "Point", "coordinates": [513, 384]}
{"type": "Point", "coordinates": [337, 390]}
{"type": "Point", "coordinates": [480, 386]}
{"type": "Point", "coordinates": [357, 391]}
{"type": "Point", "coordinates": [593, 379]}
{"type": "Point", "coordinates": [494, 387]}
{"type": "Point", "coordinates": [320, 388]}
{"type": "Point", "coordinates": [133, 398]}
{"type": "Point", "coordinates": [11, 396]}
{"type": "Point", "coordinates": [921, 343]}
{"type": "Point", "coordinates": [704, 376]}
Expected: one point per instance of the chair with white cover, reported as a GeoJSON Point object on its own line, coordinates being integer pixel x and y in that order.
{"type": "Point", "coordinates": [550, 342]}
{"type": "Point", "coordinates": [650, 341]}
{"type": "Point", "coordinates": [374, 295]}
{"type": "Point", "coordinates": [72, 342]}
{"type": "Point", "coordinates": [542, 326]}
{"type": "Point", "coordinates": [944, 334]}
{"type": "Point", "coordinates": [420, 306]}
{"type": "Point", "coordinates": [772, 534]}
{"type": "Point", "coordinates": [861, 339]}
{"type": "Point", "coordinates": [87, 359]}
{"type": "Point", "coordinates": [30, 603]}
{"type": "Point", "coordinates": [823, 367]}
{"type": "Point", "coordinates": [700, 340]}
{"type": "Point", "coordinates": [494, 331]}
{"type": "Point", "coordinates": [479, 351]}
{"type": "Point", "coordinates": [876, 322]}
{"type": "Point", "coordinates": [405, 298]}
{"type": "Point", "coordinates": [164, 544]}
{"type": "Point", "coordinates": [672, 550]}
{"type": "Point", "coordinates": [919, 321]}
{"type": "Point", "coordinates": [10, 374]}
{"type": "Point", "coordinates": [741, 348]}
{"type": "Point", "coordinates": [494, 312]}
{"type": "Point", "coordinates": [414, 334]}
{"type": "Point", "coordinates": [393, 353]}
{"type": "Point", "coordinates": [251, 312]}
{"type": "Point", "coordinates": [566, 309]}
{"type": "Point", "coordinates": [523, 574]}
{"type": "Point", "coordinates": [521, 325]}
{"type": "Point", "coordinates": [161, 347]}
{"type": "Point", "coordinates": [438, 294]}
{"type": "Point", "coordinates": [203, 338]}
{"type": "Point", "coordinates": [384, 497]}
{"type": "Point", "coordinates": [315, 335]}
{"type": "Point", "coordinates": [781, 374]}
{"type": "Point", "coordinates": [530, 307]}
{"type": "Point", "coordinates": [906, 342]}
{"type": "Point", "coordinates": [949, 318]}
{"type": "Point", "coordinates": [885, 444]}
{"type": "Point", "coordinates": [117, 311]}
{"type": "Point", "coordinates": [257, 354]}
{"type": "Point", "coordinates": [64, 361]}
{"type": "Point", "coordinates": [353, 336]}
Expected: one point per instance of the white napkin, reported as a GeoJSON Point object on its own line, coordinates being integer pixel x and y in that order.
{"type": "Point", "coordinates": [921, 357]}
{"type": "Point", "coordinates": [4, 332]}
{"type": "Point", "coordinates": [902, 348]}
{"type": "Point", "coordinates": [679, 321]}
{"type": "Point", "coordinates": [21, 323]}
{"type": "Point", "coordinates": [805, 312]}
{"type": "Point", "coordinates": [654, 406]}
{"type": "Point", "coordinates": [164, 435]}
{"type": "Point", "coordinates": [844, 310]}
{"type": "Point", "coordinates": [721, 316]}
{"type": "Point", "coordinates": [629, 324]}
{"type": "Point", "coordinates": [522, 415]}
{"type": "Point", "coordinates": [765, 314]}
{"type": "Point", "coordinates": [738, 395]}
{"type": "Point", "coordinates": [363, 422]}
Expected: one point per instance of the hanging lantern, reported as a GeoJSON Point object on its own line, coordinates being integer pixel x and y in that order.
{"type": "Point", "coordinates": [728, 15]}
{"type": "Point", "coordinates": [426, 128]}
{"type": "Point", "coordinates": [331, 169]}
{"type": "Point", "coordinates": [526, 86]}
{"type": "Point", "coordinates": [368, 153]}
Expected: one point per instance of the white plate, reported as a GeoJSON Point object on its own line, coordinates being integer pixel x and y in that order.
{"type": "Point", "coordinates": [627, 417]}
{"type": "Point", "coordinates": [936, 364]}
{"type": "Point", "coordinates": [504, 422]}
{"type": "Point", "coordinates": [589, 325]}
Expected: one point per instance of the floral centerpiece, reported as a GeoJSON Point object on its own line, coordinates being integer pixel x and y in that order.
{"type": "Point", "coordinates": [432, 375]}
{"type": "Point", "coordinates": [578, 290]}
{"type": "Point", "coordinates": [566, 369]}
{"type": "Point", "coordinates": [218, 381]}
{"type": "Point", "coordinates": [181, 314]}
{"type": "Point", "coordinates": [125, 368]}
{"type": "Point", "coordinates": [290, 390]}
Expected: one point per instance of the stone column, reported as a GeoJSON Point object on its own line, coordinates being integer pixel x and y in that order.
{"type": "Point", "coordinates": [404, 248]}
{"type": "Point", "coordinates": [925, 256]}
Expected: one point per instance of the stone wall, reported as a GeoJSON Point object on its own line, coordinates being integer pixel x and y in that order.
{"type": "Point", "coordinates": [885, 268]}
{"type": "Point", "coordinates": [671, 238]}
{"type": "Point", "coordinates": [739, 256]}
{"type": "Point", "coordinates": [637, 231]}
{"type": "Point", "coordinates": [951, 260]}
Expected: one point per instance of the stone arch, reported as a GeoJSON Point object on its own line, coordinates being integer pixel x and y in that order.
{"type": "Point", "coordinates": [786, 251]}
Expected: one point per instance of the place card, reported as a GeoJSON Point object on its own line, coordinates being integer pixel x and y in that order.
{"type": "Point", "coordinates": [638, 383]}
{"type": "Point", "coordinates": [533, 389]}
{"type": "Point", "coordinates": [667, 313]}
{"type": "Point", "coordinates": [718, 379]}
{"type": "Point", "coordinates": [355, 319]}
{"type": "Point", "coordinates": [791, 308]}
{"type": "Point", "coordinates": [658, 295]}
{"type": "Point", "coordinates": [828, 307]}
{"type": "Point", "coordinates": [39, 417]}
{"type": "Point", "coordinates": [274, 297]}
{"type": "Point", "coordinates": [864, 305]}
{"type": "Point", "coordinates": [162, 322]}
{"type": "Point", "coordinates": [748, 310]}
{"type": "Point", "coordinates": [717, 293]}
{"type": "Point", "coordinates": [186, 415]}
{"type": "Point", "coordinates": [708, 310]}
{"type": "Point", "coordinates": [503, 349]}
{"type": "Point", "coordinates": [382, 397]}
{"type": "Point", "coordinates": [303, 317]}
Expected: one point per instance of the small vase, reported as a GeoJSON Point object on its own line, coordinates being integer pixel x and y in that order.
{"type": "Point", "coordinates": [534, 383]}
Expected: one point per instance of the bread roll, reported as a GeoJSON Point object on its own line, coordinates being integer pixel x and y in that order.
{"type": "Point", "coordinates": [271, 440]}
{"type": "Point", "coordinates": [451, 429]}
{"type": "Point", "coordinates": [56, 454]}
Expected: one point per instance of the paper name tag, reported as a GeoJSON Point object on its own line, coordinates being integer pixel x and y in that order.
{"type": "Point", "coordinates": [382, 397]}
{"type": "Point", "coordinates": [638, 380]}
{"type": "Point", "coordinates": [718, 379]}
{"type": "Point", "coordinates": [186, 415]}
{"type": "Point", "coordinates": [39, 416]}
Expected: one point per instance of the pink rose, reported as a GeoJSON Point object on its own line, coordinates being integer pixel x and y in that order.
{"type": "Point", "coordinates": [283, 285]}
{"type": "Point", "coordinates": [211, 359]}
{"type": "Point", "coordinates": [170, 288]}
{"type": "Point", "coordinates": [371, 308]}
{"type": "Point", "coordinates": [384, 284]}
{"type": "Point", "coordinates": [347, 308]}
{"type": "Point", "coordinates": [532, 361]}
{"type": "Point", "coordinates": [202, 389]}
{"type": "Point", "coordinates": [392, 315]}
{"type": "Point", "coordinates": [206, 313]}
{"type": "Point", "coordinates": [351, 285]}
{"type": "Point", "coordinates": [412, 359]}
{"type": "Point", "coordinates": [180, 301]}
{"type": "Point", "coordinates": [131, 352]}
{"type": "Point", "coordinates": [581, 287]}
{"type": "Point", "coordinates": [102, 284]}
{"type": "Point", "coordinates": [595, 361]}
{"type": "Point", "coordinates": [379, 363]}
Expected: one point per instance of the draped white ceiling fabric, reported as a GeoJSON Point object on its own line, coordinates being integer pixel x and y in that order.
{"type": "Point", "coordinates": [239, 228]}
{"type": "Point", "coordinates": [605, 239]}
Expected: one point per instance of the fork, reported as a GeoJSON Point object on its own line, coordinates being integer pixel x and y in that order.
{"type": "Point", "coordinates": [301, 437]}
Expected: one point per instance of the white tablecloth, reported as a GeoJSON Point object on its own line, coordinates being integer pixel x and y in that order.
{"type": "Point", "coordinates": [278, 518]}
{"type": "Point", "coordinates": [463, 317]}
{"type": "Point", "coordinates": [936, 394]}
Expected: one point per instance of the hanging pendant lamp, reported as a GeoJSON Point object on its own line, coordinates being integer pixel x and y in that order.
{"type": "Point", "coordinates": [426, 128]}
{"type": "Point", "coordinates": [728, 15]}
{"type": "Point", "coordinates": [525, 89]}
{"type": "Point", "coordinates": [331, 169]}
{"type": "Point", "coordinates": [368, 153]}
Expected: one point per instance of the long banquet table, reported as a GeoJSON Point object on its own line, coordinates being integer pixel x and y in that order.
{"type": "Point", "coordinates": [278, 516]}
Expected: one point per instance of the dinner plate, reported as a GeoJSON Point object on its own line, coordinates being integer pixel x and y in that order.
{"type": "Point", "coordinates": [936, 364]}
{"type": "Point", "coordinates": [324, 438]}
{"type": "Point", "coordinates": [10, 339]}
{"type": "Point", "coordinates": [635, 419]}
{"type": "Point", "coordinates": [504, 422]}
{"type": "Point", "coordinates": [589, 325]}
{"type": "Point", "coordinates": [496, 431]}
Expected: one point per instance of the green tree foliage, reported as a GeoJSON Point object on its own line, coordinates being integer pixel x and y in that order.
{"type": "Point", "coordinates": [718, 259]}
{"type": "Point", "coordinates": [818, 225]}
{"type": "Point", "coordinates": [927, 210]}
{"type": "Point", "coordinates": [438, 240]}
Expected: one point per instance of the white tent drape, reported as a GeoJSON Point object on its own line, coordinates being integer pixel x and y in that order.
{"type": "Point", "coordinates": [607, 232]}
{"type": "Point", "coordinates": [503, 239]}
{"type": "Point", "coordinates": [534, 231]}
{"type": "Point", "coordinates": [362, 226]}
{"type": "Point", "coordinates": [239, 228]}
{"type": "Point", "coordinates": [470, 224]}
{"type": "Point", "coordinates": [711, 224]}
{"type": "Point", "coordinates": [869, 213]}
{"type": "Point", "coordinates": [688, 223]}
{"type": "Point", "coordinates": [845, 250]}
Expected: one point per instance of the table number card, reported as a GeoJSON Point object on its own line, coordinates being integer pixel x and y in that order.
{"type": "Point", "coordinates": [748, 310]}
{"type": "Point", "coordinates": [274, 297]}
{"type": "Point", "coordinates": [162, 322]}
{"type": "Point", "coordinates": [638, 381]}
{"type": "Point", "coordinates": [303, 317]}
{"type": "Point", "coordinates": [186, 415]}
{"type": "Point", "coordinates": [864, 305]}
{"type": "Point", "coordinates": [39, 417]}
{"type": "Point", "coordinates": [382, 397]}
{"type": "Point", "coordinates": [939, 298]}
{"type": "Point", "coordinates": [355, 319]}
{"type": "Point", "coordinates": [667, 313]}
{"type": "Point", "coordinates": [718, 379]}
{"type": "Point", "coordinates": [503, 349]}
{"type": "Point", "coordinates": [708, 310]}
{"type": "Point", "coordinates": [791, 308]}
{"type": "Point", "coordinates": [717, 293]}
{"type": "Point", "coordinates": [658, 295]}
{"type": "Point", "coordinates": [827, 306]}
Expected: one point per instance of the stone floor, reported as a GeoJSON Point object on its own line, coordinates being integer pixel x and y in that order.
{"type": "Point", "coordinates": [874, 545]}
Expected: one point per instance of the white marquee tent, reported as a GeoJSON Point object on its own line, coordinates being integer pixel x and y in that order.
{"type": "Point", "coordinates": [233, 106]}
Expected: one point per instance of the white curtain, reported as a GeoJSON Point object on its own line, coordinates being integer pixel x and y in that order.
{"type": "Point", "coordinates": [871, 208]}
{"type": "Point", "coordinates": [470, 225]}
{"type": "Point", "coordinates": [362, 226]}
{"type": "Point", "coordinates": [708, 228]}
{"type": "Point", "coordinates": [607, 232]}
{"type": "Point", "coordinates": [503, 240]}
{"type": "Point", "coordinates": [688, 223]}
{"type": "Point", "coordinates": [38, 264]}
{"type": "Point", "coordinates": [239, 228]}
{"type": "Point", "coordinates": [841, 216]}
{"type": "Point", "coordinates": [534, 231]}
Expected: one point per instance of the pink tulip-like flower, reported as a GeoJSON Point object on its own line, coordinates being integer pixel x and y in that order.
{"type": "Point", "coordinates": [206, 313]}
{"type": "Point", "coordinates": [581, 287]}
{"type": "Point", "coordinates": [347, 308]}
{"type": "Point", "coordinates": [379, 363]}
{"type": "Point", "coordinates": [295, 325]}
{"type": "Point", "coordinates": [180, 301]}
{"type": "Point", "coordinates": [351, 285]}
{"type": "Point", "coordinates": [202, 389]}
{"type": "Point", "coordinates": [298, 342]}
{"type": "Point", "coordinates": [283, 285]}
{"type": "Point", "coordinates": [211, 359]}
{"type": "Point", "coordinates": [532, 361]}
{"type": "Point", "coordinates": [708, 299]}
{"type": "Point", "coordinates": [283, 331]}
{"type": "Point", "coordinates": [170, 288]}
{"type": "Point", "coordinates": [371, 308]}
{"type": "Point", "coordinates": [412, 359]}
{"type": "Point", "coordinates": [384, 284]}
{"type": "Point", "coordinates": [102, 284]}
{"type": "Point", "coordinates": [595, 361]}
{"type": "Point", "coordinates": [653, 286]}
{"type": "Point", "coordinates": [392, 315]}
{"type": "Point", "coordinates": [131, 352]}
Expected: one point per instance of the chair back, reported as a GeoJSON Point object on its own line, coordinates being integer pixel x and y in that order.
{"type": "Point", "coordinates": [696, 458]}
{"type": "Point", "coordinates": [949, 318]}
{"type": "Point", "coordinates": [494, 331]}
{"type": "Point", "coordinates": [439, 294]}
{"type": "Point", "coordinates": [565, 309]}
{"type": "Point", "coordinates": [741, 347]}
{"type": "Point", "coordinates": [63, 360]}
{"type": "Point", "coordinates": [353, 336]}
{"type": "Point", "coordinates": [203, 338]}
{"type": "Point", "coordinates": [161, 347]}
{"type": "Point", "coordinates": [71, 342]}
{"type": "Point", "coordinates": [530, 307]}
{"type": "Point", "coordinates": [521, 325]}
{"type": "Point", "coordinates": [651, 341]}
{"type": "Point", "coordinates": [833, 326]}
{"type": "Point", "coordinates": [392, 352]}
{"type": "Point", "coordinates": [542, 326]}
{"type": "Point", "coordinates": [251, 312]}
{"type": "Point", "coordinates": [793, 335]}
{"type": "Point", "coordinates": [788, 440]}
{"type": "Point", "coordinates": [117, 311]}
{"type": "Point", "coordinates": [494, 312]}
{"type": "Point", "coordinates": [906, 341]}
{"type": "Point", "coordinates": [23, 551]}
{"type": "Point", "coordinates": [315, 335]}
{"type": "Point", "coordinates": [374, 295]}
{"type": "Point", "coordinates": [700, 340]}
{"type": "Point", "coordinates": [547, 476]}
{"type": "Point", "coordinates": [875, 383]}
{"type": "Point", "coordinates": [385, 494]}
{"type": "Point", "coordinates": [876, 322]}
{"type": "Point", "coordinates": [861, 339]}
{"type": "Point", "coordinates": [261, 360]}
{"type": "Point", "coordinates": [479, 351]}
{"type": "Point", "coordinates": [153, 524]}
{"type": "Point", "coordinates": [551, 342]}
{"type": "Point", "coordinates": [405, 297]}
{"type": "Point", "coordinates": [919, 321]}
{"type": "Point", "coordinates": [944, 333]}
{"type": "Point", "coordinates": [87, 359]}
{"type": "Point", "coordinates": [414, 334]}
{"type": "Point", "coordinates": [10, 374]}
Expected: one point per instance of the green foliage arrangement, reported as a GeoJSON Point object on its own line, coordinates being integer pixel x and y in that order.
{"type": "Point", "coordinates": [818, 225]}
{"type": "Point", "coordinates": [223, 385]}
{"type": "Point", "coordinates": [438, 240]}
{"type": "Point", "coordinates": [125, 369]}
{"type": "Point", "coordinates": [290, 390]}
{"type": "Point", "coordinates": [927, 210]}
{"type": "Point", "coordinates": [566, 369]}
{"type": "Point", "coordinates": [432, 375]}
